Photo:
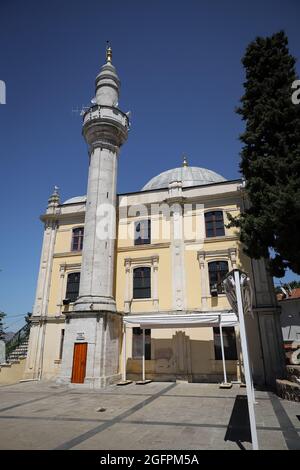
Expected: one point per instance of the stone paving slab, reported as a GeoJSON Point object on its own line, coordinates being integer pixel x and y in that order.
{"type": "Point", "coordinates": [159, 415]}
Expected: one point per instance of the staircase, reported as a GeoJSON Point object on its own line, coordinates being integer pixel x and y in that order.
{"type": "Point", "coordinates": [289, 388]}
{"type": "Point", "coordinates": [17, 346]}
{"type": "Point", "coordinates": [19, 353]}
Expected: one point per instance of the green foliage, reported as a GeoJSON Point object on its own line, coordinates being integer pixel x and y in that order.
{"type": "Point", "coordinates": [270, 157]}
{"type": "Point", "coordinates": [2, 315]}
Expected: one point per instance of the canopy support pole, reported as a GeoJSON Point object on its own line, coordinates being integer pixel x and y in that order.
{"type": "Point", "coordinates": [248, 378]}
{"type": "Point", "coordinates": [239, 353]}
{"type": "Point", "coordinates": [143, 368]}
{"type": "Point", "coordinates": [124, 353]}
{"type": "Point", "coordinates": [223, 353]}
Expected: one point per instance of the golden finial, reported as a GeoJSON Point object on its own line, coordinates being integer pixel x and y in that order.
{"type": "Point", "coordinates": [185, 162]}
{"type": "Point", "coordinates": [108, 52]}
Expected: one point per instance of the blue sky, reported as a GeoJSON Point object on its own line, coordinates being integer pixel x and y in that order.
{"type": "Point", "coordinates": [180, 67]}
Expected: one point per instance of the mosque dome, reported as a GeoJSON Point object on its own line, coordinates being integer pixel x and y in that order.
{"type": "Point", "coordinates": [75, 200]}
{"type": "Point", "coordinates": [188, 175]}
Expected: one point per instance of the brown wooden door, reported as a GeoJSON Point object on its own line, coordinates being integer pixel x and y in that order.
{"type": "Point", "coordinates": [79, 363]}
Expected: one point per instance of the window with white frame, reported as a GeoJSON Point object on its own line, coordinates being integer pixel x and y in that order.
{"type": "Point", "coordinates": [217, 270]}
{"type": "Point", "coordinates": [72, 290]}
{"type": "Point", "coordinates": [142, 283]}
{"type": "Point", "coordinates": [214, 224]}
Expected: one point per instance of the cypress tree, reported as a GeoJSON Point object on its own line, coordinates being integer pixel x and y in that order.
{"type": "Point", "coordinates": [270, 156]}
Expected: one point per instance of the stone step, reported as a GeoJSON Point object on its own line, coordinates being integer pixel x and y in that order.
{"type": "Point", "coordinates": [20, 351]}
{"type": "Point", "coordinates": [20, 347]}
{"type": "Point", "coordinates": [288, 390]}
{"type": "Point", "coordinates": [293, 373]}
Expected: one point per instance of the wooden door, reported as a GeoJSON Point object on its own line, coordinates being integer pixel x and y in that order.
{"type": "Point", "coordinates": [79, 363]}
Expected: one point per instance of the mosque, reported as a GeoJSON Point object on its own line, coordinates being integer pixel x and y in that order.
{"type": "Point", "coordinates": [130, 285]}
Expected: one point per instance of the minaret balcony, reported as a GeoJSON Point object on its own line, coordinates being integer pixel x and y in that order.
{"type": "Point", "coordinates": [109, 113]}
{"type": "Point", "coordinates": [105, 125]}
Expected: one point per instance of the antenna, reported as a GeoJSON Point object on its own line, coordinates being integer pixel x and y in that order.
{"type": "Point", "coordinates": [81, 111]}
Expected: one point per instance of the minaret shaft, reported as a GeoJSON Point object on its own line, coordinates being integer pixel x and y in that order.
{"type": "Point", "coordinates": [97, 272]}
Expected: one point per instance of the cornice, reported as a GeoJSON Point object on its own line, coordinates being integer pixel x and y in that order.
{"type": "Point", "coordinates": [67, 254]}
{"type": "Point", "coordinates": [58, 217]}
{"type": "Point", "coordinates": [47, 319]}
{"type": "Point", "coordinates": [153, 246]}
{"type": "Point", "coordinates": [227, 238]}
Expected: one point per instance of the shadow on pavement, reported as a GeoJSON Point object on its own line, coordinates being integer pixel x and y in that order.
{"type": "Point", "coordinates": [238, 429]}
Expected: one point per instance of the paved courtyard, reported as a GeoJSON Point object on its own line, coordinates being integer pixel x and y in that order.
{"type": "Point", "coordinates": [153, 416]}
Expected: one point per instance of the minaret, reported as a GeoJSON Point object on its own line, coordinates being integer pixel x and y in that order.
{"type": "Point", "coordinates": [94, 318]}
{"type": "Point", "coordinates": [105, 129]}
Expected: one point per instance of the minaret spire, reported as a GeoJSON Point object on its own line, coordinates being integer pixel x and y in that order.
{"type": "Point", "coordinates": [108, 52]}
{"type": "Point", "coordinates": [107, 82]}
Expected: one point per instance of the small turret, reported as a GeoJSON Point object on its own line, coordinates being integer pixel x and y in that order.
{"type": "Point", "coordinates": [53, 201]}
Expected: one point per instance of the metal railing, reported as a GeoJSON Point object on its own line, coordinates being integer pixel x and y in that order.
{"type": "Point", "coordinates": [18, 338]}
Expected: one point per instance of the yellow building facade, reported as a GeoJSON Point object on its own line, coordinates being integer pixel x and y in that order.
{"type": "Point", "coordinates": [189, 354]}
{"type": "Point", "coordinates": [167, 250]}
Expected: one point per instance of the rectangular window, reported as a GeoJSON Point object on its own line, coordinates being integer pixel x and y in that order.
{"type": "Point", "coordinates": [72, 287]}
{"type": "Point", "coordinates": [217, 270]}
{"type": "Point", "coordinates": [142, 283]}
{"type": "Point", "coordinates": [229, 342]}
{"type": "Point", "coordinates": [77, 239]}
{"type": "Point", "coordinates": [137, 343]}
{"type": "Point", "coordinates": [214, 224]}
{"type": "Point", "coordinates": [142, 232]}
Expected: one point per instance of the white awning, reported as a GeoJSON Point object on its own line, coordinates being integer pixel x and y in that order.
{"type": "Point", "coordinates": [188, 320]}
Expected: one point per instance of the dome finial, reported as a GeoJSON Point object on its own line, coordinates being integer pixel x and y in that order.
{"type": "Point", "coordinates": [184, 162]}
{"type": "Point", "coordinates": [108, 52]}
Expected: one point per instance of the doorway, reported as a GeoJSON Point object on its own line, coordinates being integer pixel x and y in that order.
{"type": "Point", "coordinates": [79, 363]}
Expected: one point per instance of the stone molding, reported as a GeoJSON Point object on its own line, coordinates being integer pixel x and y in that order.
{"type": "Point", "coordinates": [206, 256]}
{"type": "Point", "coordinates": [132, 263]}
{"type": "Point", "coordinates": [143, 247]}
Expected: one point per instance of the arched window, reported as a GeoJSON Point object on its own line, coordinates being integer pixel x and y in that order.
{"type": "Point", "coordinates": [217, 270]}
{"type": "Point", "coordinates": [77, 239]}
{"type": "Point", "coordinates": [214, 224]}
{"type": "Point", "coordinates": [142, 283]}
{"type": "Point", "coordinates": [72, 286]}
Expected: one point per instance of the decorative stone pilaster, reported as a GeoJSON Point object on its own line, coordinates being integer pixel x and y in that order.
{"type": "Point", "coordinates": [155, 282]}
{"type": "Point", "coordinates": [127, 300]}
{"type": "Point", "coordinates": [203, 278]}
{"type": "Point", "coordinates": [62, 272]}
{"type": "Point", "coordinates": [232, 256]}
{"type": "Point", "coordinates": [177, 253]}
